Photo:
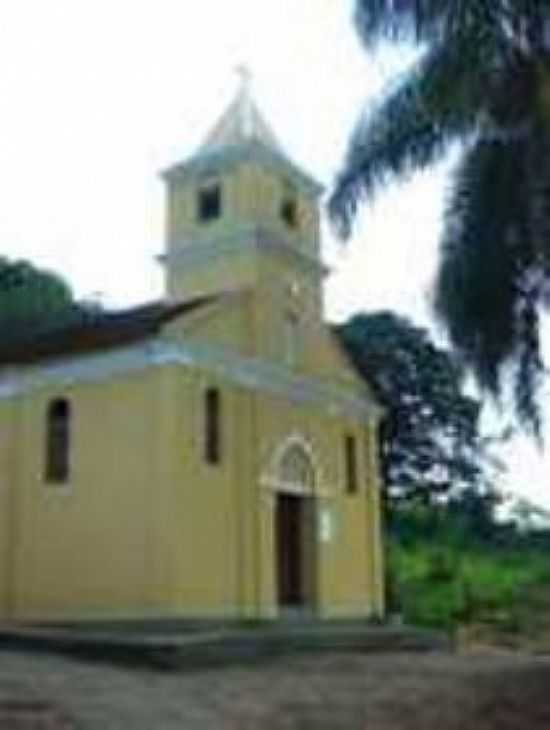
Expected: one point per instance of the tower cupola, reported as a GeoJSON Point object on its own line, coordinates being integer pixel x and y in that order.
{"type": "Point", "coordinates": [238, 202]}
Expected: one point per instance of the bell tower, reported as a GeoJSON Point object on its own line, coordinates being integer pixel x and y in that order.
{"type": "Point", "coordinates": [242, 215]}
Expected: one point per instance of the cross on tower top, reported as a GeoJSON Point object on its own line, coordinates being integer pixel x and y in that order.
{"type": "Point", "coordinates": [246, 109]}
{"type": "Point", "coordinates": [245, 75]}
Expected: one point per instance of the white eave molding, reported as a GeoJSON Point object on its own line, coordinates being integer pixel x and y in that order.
{"type": "Point", "coordinates": [249, 373]}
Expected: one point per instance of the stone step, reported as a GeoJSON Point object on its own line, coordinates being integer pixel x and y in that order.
{"type": "Point", "coordinates": [193, 650]}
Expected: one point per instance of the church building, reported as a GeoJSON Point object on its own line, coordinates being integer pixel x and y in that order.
{"type": "Point", "coordinates": [210, 455]}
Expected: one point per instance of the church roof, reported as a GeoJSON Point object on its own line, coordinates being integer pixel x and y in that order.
{"type": "Point", "coordinates": [242, 122]}
{"type": "Point", "coordinates": [242, 132]}
{"type": "Point", "coordinates": [86, 332]}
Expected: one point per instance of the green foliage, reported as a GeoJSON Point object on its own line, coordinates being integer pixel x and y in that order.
{"type": "Point", "coordinates": [483, 81]}
{"type": "Point", "coordinates": [430, 437]}
{"type": "Point", "coordinates": [441, 587]}
{"type": "Point", "coordinates": [31, 298]}
{"type": "Point", "coordinates": [445, 574]}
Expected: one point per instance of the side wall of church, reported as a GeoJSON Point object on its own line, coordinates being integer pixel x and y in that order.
{"type": "Point", "coordinates": [146, 527]}
{"type": "Point", "coordinates": [8, 447]}
{"type": "Point", "coordinates": [93, 547]}
{"type": "Point", "coordinates": [206, 504]}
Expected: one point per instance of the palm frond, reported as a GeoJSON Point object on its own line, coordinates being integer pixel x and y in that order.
{"type": "Point", "coordinates": [484, 80]}
{"type": "Point", "coordinates": [493, 271]}
{"type": "Point", "coordinates": [420, 21]}
{"type": "Point", "coordinates": [434, 105]}
{"type": "Point", "coordinates": [530, 366]}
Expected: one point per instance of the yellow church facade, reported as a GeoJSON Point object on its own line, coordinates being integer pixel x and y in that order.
{"type": "Point", "coordinates": [212, 455]}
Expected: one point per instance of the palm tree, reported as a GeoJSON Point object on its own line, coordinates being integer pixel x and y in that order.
{"type": "Point", "coordinates": [482, 80]}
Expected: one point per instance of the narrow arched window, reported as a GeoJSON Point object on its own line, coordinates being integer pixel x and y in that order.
{"type": "Point", "coordinates": [212, 436]}
{"type": "Point", "coordinates": [291, 338]}
{"type": "Point", "coordinates": [351, 464]}
{"type": "Point", "coordinates": [58, 441]}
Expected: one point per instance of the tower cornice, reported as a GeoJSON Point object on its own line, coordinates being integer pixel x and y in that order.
{"type": "Point", "coordinates": [215, 161]}
{"type": "Point", "coordinates": [240, 239]}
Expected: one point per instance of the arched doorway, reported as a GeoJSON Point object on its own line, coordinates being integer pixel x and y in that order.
{"type": "Point", "coordinates": [295, 526]}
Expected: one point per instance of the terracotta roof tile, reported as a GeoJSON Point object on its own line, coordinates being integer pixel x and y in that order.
{"type": "Point", "coordinates": [87, 331]}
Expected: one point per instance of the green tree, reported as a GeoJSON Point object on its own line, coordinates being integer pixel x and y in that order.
{"type": "Point", "coordinates": [482, 80]}
{"type": "Point", "coordinates": [31, 298]}
{"type": "Point", "coordinates": [430, 442]}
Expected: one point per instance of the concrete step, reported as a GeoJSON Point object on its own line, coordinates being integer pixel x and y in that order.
{"type": "Point", "coordinates": [201, 649]}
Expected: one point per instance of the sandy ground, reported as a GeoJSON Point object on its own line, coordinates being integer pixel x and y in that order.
{"type": "Point", "coordinates": [372, 692]}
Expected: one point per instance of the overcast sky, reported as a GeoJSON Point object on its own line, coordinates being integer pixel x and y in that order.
{"type": "Point", "coordinates": [98, 96]}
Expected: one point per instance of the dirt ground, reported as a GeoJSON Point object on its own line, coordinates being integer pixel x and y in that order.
{"type": "Point", "coordinates": [348, 692]}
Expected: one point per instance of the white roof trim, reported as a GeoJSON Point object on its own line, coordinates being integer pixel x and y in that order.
{"type": "Point", "coordinates": [249, 373]}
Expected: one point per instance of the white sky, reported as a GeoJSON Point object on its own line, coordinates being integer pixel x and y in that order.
{"type": "Point", "coordinates": [99, 95]}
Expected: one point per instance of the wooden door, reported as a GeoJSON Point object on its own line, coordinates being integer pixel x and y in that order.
{"type": "Point", "coordinates": [290, 550]}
